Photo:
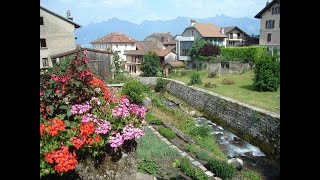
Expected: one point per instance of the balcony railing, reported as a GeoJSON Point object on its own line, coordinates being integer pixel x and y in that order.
{"type": "Point", "coordinates": [235, 37]}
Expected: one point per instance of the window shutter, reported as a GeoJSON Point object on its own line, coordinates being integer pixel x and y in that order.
{"type": "Point", "coordinates": [266, 24]}
{"type": "Point", "coordinates": [272, 23]}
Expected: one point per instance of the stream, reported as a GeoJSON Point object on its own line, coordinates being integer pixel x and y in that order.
{"type": "Point", "coordinates": [253, 158]}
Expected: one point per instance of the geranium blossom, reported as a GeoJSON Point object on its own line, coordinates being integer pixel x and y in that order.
{"type": "Point", "coordinates": [80, 109]}
{"type": "Point", "coordinates": [116, 141]}
{"type": "Point", "coordinates": [103, 127]}
{"type": "Point", "coordinates": [64, 160]}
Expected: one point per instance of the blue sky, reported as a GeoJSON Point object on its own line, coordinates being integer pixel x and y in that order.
{"type": "Point", "coordinates": [136, 11]}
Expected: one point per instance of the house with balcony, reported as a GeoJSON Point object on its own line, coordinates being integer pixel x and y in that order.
{"type": "Point", "coordinates": [162, 40]}
{"type": "Point", "coordinates": [116, 41]}
{"type": "Point", "coordinates": [206, 31]}
{"type": "Point", "coordinates": [135, 57]}
{"type": "Point", "coordinates": [235, 36]}
{"type": "Point", "coordinates": [270, 26]}
{"type": "Point", "coordinates": [56, 35]}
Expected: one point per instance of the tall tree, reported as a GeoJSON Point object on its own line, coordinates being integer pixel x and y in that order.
{"type": "Point", "coordinates": [151, 64]}
{"type": "Point", "coordinates": [194, 51]}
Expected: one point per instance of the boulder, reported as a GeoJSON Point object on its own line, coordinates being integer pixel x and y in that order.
{"type": "Point", "coordinates": [147, 102]}
{"type": "Point", "coordinates": [237, 162]}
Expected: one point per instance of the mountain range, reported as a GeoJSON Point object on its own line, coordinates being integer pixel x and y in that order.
{"type": "Point", "coordinates": [176, 26]}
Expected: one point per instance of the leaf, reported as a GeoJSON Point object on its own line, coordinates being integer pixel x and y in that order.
{"type": "Point", "coordinates": [86, 89]}
{"type": "Point", "coordinates": [51, 109]}
{"type": "Point", "coordinates": [48, 92]}
{"type": "Point", "coordinates": [64, 107]}
{"type": "Point", "coordinates": [51, 82]}
{"type": "Point", "coordinates": [59, 94]}
{"type": "Point", "coordinates": [67, 123]}
{"type": "Point", "coordinates": [63, 116]}
{"type": "Point", "coordinates": [80, 68]}
{"type": "Point", "coordinates": [69, 113]}
{"type": "Point", "coordinates": [77, 83]}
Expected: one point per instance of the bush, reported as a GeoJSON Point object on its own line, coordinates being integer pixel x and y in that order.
{"type": "Point", "coordinates": [251, 175]}
{"type": "Point", "coordinates": [212, 74]}
{"type": "Point", "coordinates": [221, 169]}
{"type": "Point", "coordinates": [267, 74]}
{"type": "Point", "coordinates": [133, 89]}
{"type": "Point", "coordinates": [190, 148]}
{"type": "Point", "coordinates": [250, 53]}
{"type": "Point", "coordinates": [195, 78]}
{"type": "Point", "coordinates": [210, 50]}
{"type": "Point", "coordinates": [167, 133]}
{"type": "Point", "coordinates": [203, 155]}
{"type": "Point", "coordinates": [152, 120]}
{"type": "Point", "coordinates": [186, 167]}
{"type": "Point", "coordinates": [227, 81]}
{"type": "Point", "coordinates": [161, 83]}
{"type": "Point", "coordinates": [203, 130]}
{"type": "Point", "coordinates": [151, 64]}
{"type": "Point", "coordinates": [210, 85]}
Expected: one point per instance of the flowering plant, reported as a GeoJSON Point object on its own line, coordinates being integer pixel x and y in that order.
{"type": "Point", "coordinates": [78, 114]}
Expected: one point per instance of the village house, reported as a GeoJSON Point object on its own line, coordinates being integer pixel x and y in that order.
{"type": "Point", "coordinates": [56, 35]}
{"type": "Point", "coordinates": [195, 31]}
{"type": "Point", "coordinates": [270, 26]}
{"type": "Point", "coordinates": [235, 36]}
{"type": "Point", "coordinates": [162, 40]}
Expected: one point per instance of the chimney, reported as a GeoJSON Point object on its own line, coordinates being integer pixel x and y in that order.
{"type": "Point", "coordinates": [193, 22]}
{"type": "Point", "coordinates": [222, 30]}
{"type": "Point", "coordinates": [69, 15]}
{"type": "Point", "coordinates": [267, 3]}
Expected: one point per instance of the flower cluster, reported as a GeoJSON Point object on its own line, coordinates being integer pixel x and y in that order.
{"type": "Point", "coordinates": [95, 100]}
{"type": "Point", "coordinates": [116, 141]}
{"type": "Point", "coordinates": [125, 108]}
{"type": "Point", "coordinates": [86, 129]}
{"type": "Point", "coordinates": [53, 127]}
{"type": "Point", "coordinates": [130, 132]}
{"type": "Point", "coordinates": [139, 112]}
{"type": "Point", "coordinates": [108, 96]}
{"type": "Point", "coordinates": [77, 142]}
{"type": "Point", "coordinates": [121, 110]}
{"type": "Point", "coordinates": [63, 159]}
{"type": "Point", "coordinates": [89, 117]}
{"type": "Point", "coordinates": [80, 109]}
{"type": "Point", "coordinates": [103, 127]}
{"type": "Point", "coordinates": [62, 79]}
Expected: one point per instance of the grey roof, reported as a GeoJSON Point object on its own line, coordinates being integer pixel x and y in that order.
{"type": "Point", "coordinates": [167, 38]}
{"type": "Point", "coordinates": [61, 17]}
{"type": "Point", "coordinates": [146, 45]}
{"type": "Point", "coordinates": [230, 28]}
{"type": "Point", "coordinates": [258, 16]}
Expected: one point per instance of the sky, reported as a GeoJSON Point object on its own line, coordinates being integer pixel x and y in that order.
{"type": "Point", "coordinates": [136, 11]}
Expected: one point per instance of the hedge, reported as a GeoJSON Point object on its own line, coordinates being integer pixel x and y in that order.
{"type": "Point", "coordinates": [246, 54]}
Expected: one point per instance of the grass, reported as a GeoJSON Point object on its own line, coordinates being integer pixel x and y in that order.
{"type": "Point", "coordinates": [250, 175]}
{"type": "Point", "coordinates": [242, 90]}
{"type": "Point", "coordinates": [154, 156]}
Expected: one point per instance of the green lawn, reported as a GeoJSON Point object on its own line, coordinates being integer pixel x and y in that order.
{"type": "Point", "coordinates": [242, 90]}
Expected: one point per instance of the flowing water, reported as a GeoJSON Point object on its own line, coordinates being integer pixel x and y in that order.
{"type": "Point", "coordinates": [232, 145]}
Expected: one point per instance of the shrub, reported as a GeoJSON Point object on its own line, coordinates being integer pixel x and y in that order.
{"type": "Point", "coordinates": [221, 168]}
{"type": "Point", "coordinates": [210, 85]}
{"type": "Point", "coordinates": [210, 50]}
{"type": "Point", "coordinates": [267, 74]}
{"type": "Point", "coordinates": [133, 89]}
{"type": "Point", "coordinates": [149, 166]}
{"type": "Point", "coordinates": [167, 133]}
{"type": "Point", "coordinates": [77, 112]}
{"type": "Point", "coordinates": [151, 64]}
{"type": "Point", "coordinates": [203, 155]}
{"type": "Point", "coordinates": [203, 130]}
{"type": "Point", "coordinates": [190, 148]}
{"type": "Point", "coordinates": [227, 81]}
{"type": "Point", "coordinates": [251, 175]}
{"type": "Point", "coordinates": [161, 83]}
{"type": "Point", "coordinates": [195, 78]}
{"type": "Point", "coordinates": [186, 167]}
{"type": "Point", "coordinates": [250, 53]}
{"type": "Point", "coordinates": [212, 74]}
{"type": "Point", "coordinates": [152, 120]}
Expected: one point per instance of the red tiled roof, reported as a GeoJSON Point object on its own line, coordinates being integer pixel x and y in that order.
{"type": "Point", "coordinates": [175, 64]}
{"type": "Point", "coordinates": [115, 37]}
{"type": "Point", "coordinates": [208, 30]}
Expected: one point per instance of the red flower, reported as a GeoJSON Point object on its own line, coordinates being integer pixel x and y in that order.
{"type": "Point", "coordinates": [64, 160]}
{"type": "Point", "coordinates": [87, 129]}
{"type": "Point", "coordinates": [84, 59]}
{"type": "Point", "coordinates": [42, 129]}
{"type": "Point", "coordinates": [97, 138]}
{"type": "Point", "coordinates": [77, 143]}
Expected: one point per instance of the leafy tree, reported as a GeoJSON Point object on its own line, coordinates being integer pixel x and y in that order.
{"type": "Point", "coordinates": [151, 64]}
{"type": "Point", "coordinates": [196, 47]}
{"type": "Point", "coordinates": [116, 63]}
{"type": "Point", "coordinates": [210, 50]}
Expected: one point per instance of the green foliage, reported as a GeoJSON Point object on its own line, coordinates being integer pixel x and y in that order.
{"type": "Point", "coordinates": [151, 64]}
{"type": "Point", "coordinates": [195, 78]}
{"type": "Point", "coordinates": [186, 167]}
{"type": "Point", "coordinates": [191, 148]}
{"type": "Point", "coordinates": [203, 155]}
{"type": "Point", "coordinates": [203, 130]}
{"type": "Point", "coordinates": [246, 54]}
{"type": "Point", "coordinates": [250, 175]}
{"type": "Point", "coordinates": [227, 81]}
{"type": "Point", "coordinates": [149, 166]}
{"type": "Point", "coordinates": [120, 77]}
{"type": "Point", "coordinates": [116, 64]}
{"type": "Point", "coordinates": [167, 133]}
{"type": "Point", "coordinates": [221, 169]}
{"type": "Point", "coordinates": [194, 51]}
{"type": "Point", "coordinates": [133, 89]}
{"type": "Point", "coordinates": [267, 74]}
{"type": "Point", "coordinates": [161, 83]}
{"type": "Point", "coordinates": [212, 74]}
{"type": "Point", "coordinates": [152, 120]}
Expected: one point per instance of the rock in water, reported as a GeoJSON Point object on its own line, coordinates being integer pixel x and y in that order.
{"type": "Point", "coordinates": [192, 113]}
{"type": "Point", "coordinates": [237, 162]}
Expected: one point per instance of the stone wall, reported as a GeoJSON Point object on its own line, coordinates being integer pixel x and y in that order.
{"type": "Point", "coordinates": [235, 67]}
{"type": "Point", "coordinates": [258, 126]}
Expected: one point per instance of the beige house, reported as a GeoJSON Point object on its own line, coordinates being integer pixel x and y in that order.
{"type": "Point", "coordinates": [235, 36]}
{"type": "Point", "coordinates": [206, 31]}
{"type": "Point", "coordinates": [116, 41]}
{"type": "Point", "coordinates": [270, 26]}
{"type": "Point", "coordinates": [161, 40]}
{"type": "Point", "coordinates": [135, 57]}
{"type": "Point", "coordinates": [56, 35]}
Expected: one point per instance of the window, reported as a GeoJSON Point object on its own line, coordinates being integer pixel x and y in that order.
{"type": "Point", "coordinates": [132, 45]}
{"type": "Point", "coordinates": [276, 10]}
{"type": "Point", "coordinates": [43, 43]}
{"type": "Point", "coordinates": [125, 45]}
{"type": "Point", "coordinates": [225, 65]}
{"type": "Point", "coordinates": [41, 20]}
{"type": "Point", "coordinates": [269, 24]}
{"type": "Point", "coordinates": [116, 45]}
{"type": "Point", "coordinates": [45, 62]}
{"type": "Point", "coordinates": [192, 33]}
{"type": "Point", "coordinates": [238, 35]}
{"type": "Point", "coordinates": [269, 37]}
{"type": "Point", "coordinates": [231, 35]}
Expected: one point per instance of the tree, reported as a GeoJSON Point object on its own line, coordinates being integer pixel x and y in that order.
{"type": "Point", "coordinates": [210, 50]}
{"type": "Point", "coordinates": [116, 64]}
{"type": "Point", "coordinates": [151, 64]}
{"type": "Point", "coordinates": [196, 47]}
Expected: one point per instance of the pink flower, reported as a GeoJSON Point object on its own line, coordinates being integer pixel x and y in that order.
{"type": "Point", "coordinates": [84, 59]}
{"type": "Point", "coordinates": [116, 141]}
{"type": "Point", "coordinates": [130, 132]}
{"type": "Point", "coordinates": [89, 117]}
{"type": "Point", "coordinates": [103, 127]}
{"type": "Point", "coordinates": [80, 109]}
{"type": "Point", "coordinates": [41, 93]}
{"type": "Point", "coordinates": [120, 110]}
{"type": "Point", "coordinates": [96, 100]}
{"type": "Point", "coordinates": [55, 77]}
